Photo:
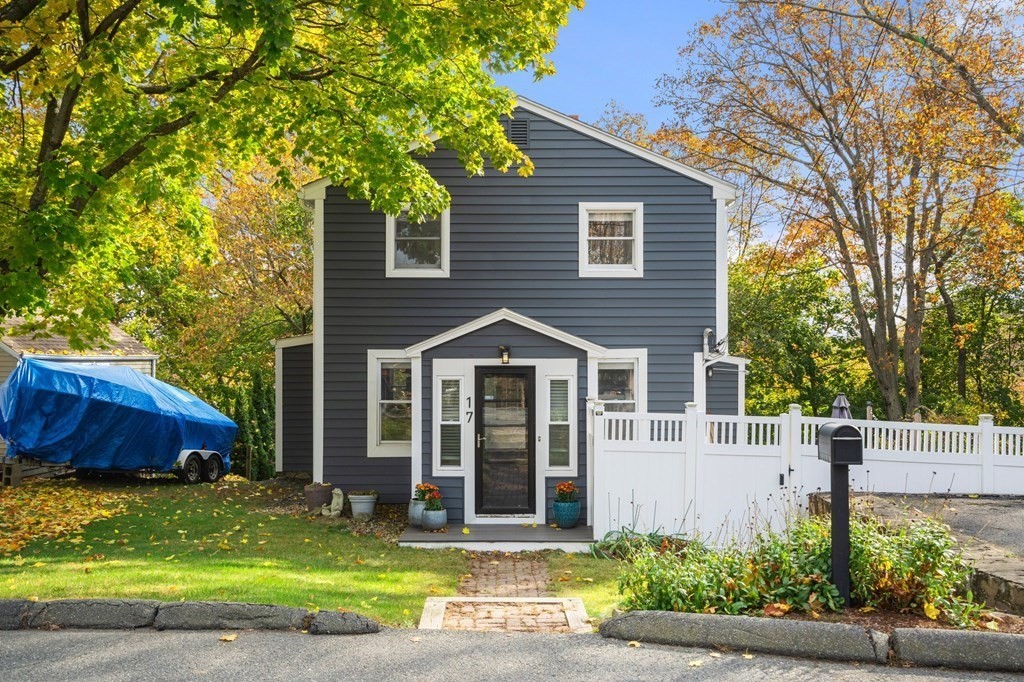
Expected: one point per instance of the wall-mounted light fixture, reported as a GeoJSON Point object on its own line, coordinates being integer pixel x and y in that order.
{"type": "Point", "coordinates": [503, 353]}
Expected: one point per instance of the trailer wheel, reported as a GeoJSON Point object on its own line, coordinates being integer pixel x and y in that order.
{"type": "Point", "coordinates": [192, 470]}
{"type": "Point", "coordinates": [212, 469]}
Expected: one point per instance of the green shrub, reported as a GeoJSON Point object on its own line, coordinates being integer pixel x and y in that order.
{"type": "Point", "coordinates": [914, 567]}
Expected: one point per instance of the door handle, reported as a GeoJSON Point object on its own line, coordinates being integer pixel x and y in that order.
{"type": "Point", "coordinates": [480, 440]}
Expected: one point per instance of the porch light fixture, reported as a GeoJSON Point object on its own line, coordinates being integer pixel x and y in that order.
{"type": "Point", "coordinates": [503, 353]}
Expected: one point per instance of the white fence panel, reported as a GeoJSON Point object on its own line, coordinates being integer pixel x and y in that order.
{"type": "Point", "coordinates": [640, 487]}
{"type": "Point", "coordinates": [718, 474]}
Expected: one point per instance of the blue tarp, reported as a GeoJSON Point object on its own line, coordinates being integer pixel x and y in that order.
{"type": "Point", "coordinates": [105, 417]}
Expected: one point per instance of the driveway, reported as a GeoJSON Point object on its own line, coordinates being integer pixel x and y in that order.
{"type": "Point", "coordinates": [401, 655]}
{"type": "Point", "coordinates": [999, 520]}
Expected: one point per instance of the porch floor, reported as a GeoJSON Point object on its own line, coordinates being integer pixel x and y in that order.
{"type": "Point", "coordinates": [501, 537]}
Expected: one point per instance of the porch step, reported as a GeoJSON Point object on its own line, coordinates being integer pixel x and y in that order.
{"type": "Point", "coordinates": [501, 537]}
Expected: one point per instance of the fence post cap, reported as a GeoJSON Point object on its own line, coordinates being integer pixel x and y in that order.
{"type": "Point", "coordinates": [795, 407]}
{"type": "Point", "coordinates": [691, 405]}
{"type": "Point", "coordinates": [982, 418]}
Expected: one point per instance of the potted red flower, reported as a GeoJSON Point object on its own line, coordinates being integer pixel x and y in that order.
{"type": "Point", "coordinates": [566, 506]}
{"type": "Point", "coordinates": [435, 516]}
{"type": "Point", "coordinates": [417, 503]}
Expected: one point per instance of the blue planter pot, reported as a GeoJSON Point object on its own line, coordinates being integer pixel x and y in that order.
{"type": "Point", "coordinates": [567, 514]}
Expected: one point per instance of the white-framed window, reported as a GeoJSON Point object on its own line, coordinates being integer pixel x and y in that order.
{"type": "Point", "coordinates": [561, 414]}
{"type": "Point", "coordinates": [448, 435]}
{"type": "Point", "coordinates": [389, 395]}
{"type": "Point", "coordinates": [611, 239]}
{"type": "Point", "coordinates": [620, 379]}
{"type": "Point", "coordinates": [418, 249]}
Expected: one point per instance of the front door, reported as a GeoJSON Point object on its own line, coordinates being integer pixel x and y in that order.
{"type": "Point", "coordinates": [505, 462]}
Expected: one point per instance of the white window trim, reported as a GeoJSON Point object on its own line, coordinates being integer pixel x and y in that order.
{"type": "Point", "coordinates": [466, 439]}
{"type": "Point", "coordinates": [374, 448]}
{"type": "Point", "coordinates": [389, 246]}
{"type": "Point", "coordinates": [634, 270]}
{"type": "Point", "coordinates": [637, 355]}
{"type": "Point", "coordinates": [544, 439]}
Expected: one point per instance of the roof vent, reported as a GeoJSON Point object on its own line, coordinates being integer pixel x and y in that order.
{"type": "Point", "coordinates": [518, 132]}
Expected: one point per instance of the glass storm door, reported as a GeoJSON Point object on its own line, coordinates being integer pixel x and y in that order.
{"type": "Point", "coordinates": [505, 462]}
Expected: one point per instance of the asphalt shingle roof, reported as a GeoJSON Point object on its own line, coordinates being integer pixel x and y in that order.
{"type": "Point", "coordinates": [45, 343]}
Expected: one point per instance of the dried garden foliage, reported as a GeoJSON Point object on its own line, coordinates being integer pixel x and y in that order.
{"type": "Point", "coordinates": [47, 509]}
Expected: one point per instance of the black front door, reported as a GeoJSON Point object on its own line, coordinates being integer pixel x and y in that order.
{"type": "Point", "coordinates": [505, 462]}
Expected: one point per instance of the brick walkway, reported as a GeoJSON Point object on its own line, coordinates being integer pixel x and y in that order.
{"type": "Point", "coordinates": [492, 578]}
{"type": "Point", "coordinates": [492, 575]}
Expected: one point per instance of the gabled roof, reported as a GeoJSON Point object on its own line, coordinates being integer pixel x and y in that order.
{"type": "Point", "coordinates": [46, 343]}
{"type": "Point", "coordinates": [505, 315]}
{"type": "Point", "coordinates": [721, 189]}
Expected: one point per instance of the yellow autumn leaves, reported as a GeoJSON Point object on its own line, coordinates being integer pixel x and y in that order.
{"type": "Point", "coordinates": [46, 509]}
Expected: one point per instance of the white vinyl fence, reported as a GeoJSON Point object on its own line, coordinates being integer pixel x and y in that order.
{"type": "Point", "coordinates": [719, 476]}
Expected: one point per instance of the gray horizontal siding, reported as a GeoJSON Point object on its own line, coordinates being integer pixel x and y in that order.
{"type": "Point", "coordinates": [515, 245]}
{"type": "Point", "coordinates": [723, 389]}
{"type": "Point", "coordinates": [297, 408]}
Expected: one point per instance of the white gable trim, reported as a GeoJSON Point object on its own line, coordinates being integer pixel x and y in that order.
{"type": "Point", "coordinates": [504, 315]}
{"type": "Point", "coordinates": [289, 341]}
{"type": "Point", "coordinates": [722, 188]}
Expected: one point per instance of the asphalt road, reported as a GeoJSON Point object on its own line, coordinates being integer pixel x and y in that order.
{"type": "Point", "coordinates": [400, 655]}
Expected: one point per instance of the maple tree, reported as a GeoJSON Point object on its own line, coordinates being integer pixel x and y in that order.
{"type": "Point", "coordinates": [112, 107]}
{"type": "Point", "coordinates": [870, 161]}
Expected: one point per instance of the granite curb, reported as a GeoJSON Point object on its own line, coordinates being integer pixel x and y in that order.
{"type": "Point", "coordinates": [963, 649]}
{"type": "Point", "coordinates": [126, 614]}
{"type": "Point", "coordinates": [833, 641]}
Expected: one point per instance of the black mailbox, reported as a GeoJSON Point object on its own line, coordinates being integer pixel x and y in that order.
{"type": "Point", "coordinates": [840, 444]}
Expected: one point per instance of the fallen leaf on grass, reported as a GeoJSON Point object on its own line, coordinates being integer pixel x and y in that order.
{"type": "Point", "coordinates": [229, 638]}
{"type": "Point", "coordinates": [930, 611]}
{"type": "Point", "coordinates": [868, 609]}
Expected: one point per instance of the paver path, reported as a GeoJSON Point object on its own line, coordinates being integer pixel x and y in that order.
{"type": "Point", "coordinates": [495, 577]}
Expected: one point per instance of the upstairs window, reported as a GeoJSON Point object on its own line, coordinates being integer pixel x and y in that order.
{"type": "Point", "coordinates": [418, 249]}
{"type": "Point", "coordinates": [611, 239]}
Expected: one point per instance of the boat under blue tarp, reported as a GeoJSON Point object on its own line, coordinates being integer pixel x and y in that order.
{"type": "Point", "coordinates": [105, 417]}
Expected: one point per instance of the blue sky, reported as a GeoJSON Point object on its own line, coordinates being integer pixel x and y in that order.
{"type": "Point", "coordinates": [615, 50]}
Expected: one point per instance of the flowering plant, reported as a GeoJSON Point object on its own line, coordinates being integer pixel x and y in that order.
{"type": "Point", "coordinates": [434, 500]}
{"type": "Point", "coordinates": [424, 489]}
{"type": "Point", "coordinates": [566, 491]}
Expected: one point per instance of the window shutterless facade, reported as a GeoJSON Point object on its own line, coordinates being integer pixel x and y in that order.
{"type": "Point", "coordinates": [389, 396]}
{"type": "Point", "coordinates": [611, 239]}
{"type": "Point", "coordinates": [418, 249]}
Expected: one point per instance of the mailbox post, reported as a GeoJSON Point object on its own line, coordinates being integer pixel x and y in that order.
{"type": "Point", "coordinates": [841, 446]}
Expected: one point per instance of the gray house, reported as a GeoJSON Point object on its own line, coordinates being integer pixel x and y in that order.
{"type": "Point", "coordinates": [464, 350]}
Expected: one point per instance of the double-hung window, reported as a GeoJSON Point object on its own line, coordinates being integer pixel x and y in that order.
{"type": "Point", "coordinates": [389, 408]}
{"type": "Point", "coordinates": [560, 431]}
{"type": "Point", "coordinates": [622, 379]}
{"type": "Point", "coordinates": [418, 248]}
{"type": "Point", "coordinates": [611, 239]}
{"type": "Point", "coordinates": [449, 432]}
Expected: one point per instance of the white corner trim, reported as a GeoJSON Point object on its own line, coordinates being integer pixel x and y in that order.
{"type": "Point", "coordinates": [373, 447]}
{"type": "Point", "coordinates": [416, 458]}
{"type": "Point", "coordinates": [466, 432]}
{"type": "Point", "coordinates": [504, 315]}
{"type": "Point", "coordinates": [291, 341]}
{"type": "Point", "coordinates": [279, 409]}
{"type": "Point", "coordinates": [741, 390]}
{"type": "Point", "coordinates": [638, 355]}
{"type": "Point", "coordinates": [446, 251]}
{"type": "Point", "coordinates": [699, 381]}
{"type": "Point", "coordinates": [636, 269]}
{"type": "Point", "coordinates": [722, 272]}
{"type": "Point", "coordinates": [318, 338]}
{"type": "Point", "coordinates": [722, 189]}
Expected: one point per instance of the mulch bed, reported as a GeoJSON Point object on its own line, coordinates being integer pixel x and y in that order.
{"type": "Point", "coordinates": [887, 621]}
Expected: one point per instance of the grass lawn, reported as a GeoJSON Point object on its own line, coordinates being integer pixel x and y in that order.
{"type": "Point", "coordinates": [582, 575]}
{"type": "Point", "coordinates": [219, 542]}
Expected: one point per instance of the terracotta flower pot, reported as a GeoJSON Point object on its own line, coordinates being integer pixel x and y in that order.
{"type": "Point", "coordinates": [435, 519]}
{"type": "Point", "coordinates": [317, 495]}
